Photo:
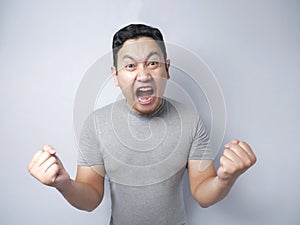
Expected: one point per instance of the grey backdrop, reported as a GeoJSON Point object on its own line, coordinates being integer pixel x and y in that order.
{"type": "Point", "coordinates": [253, 47]}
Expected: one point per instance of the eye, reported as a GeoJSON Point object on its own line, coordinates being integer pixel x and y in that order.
{"type": "Point", "coordinates": [130, 66]}
{"type": "Point", "coordinates": [153, 64]}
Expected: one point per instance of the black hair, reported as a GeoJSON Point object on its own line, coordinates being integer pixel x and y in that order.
{"type": "Point", "coordinates": [134, 31]}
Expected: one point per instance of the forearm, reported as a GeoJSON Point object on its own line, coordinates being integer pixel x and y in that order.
{"type": "Point", "coordinates": [211, 191]}
{"type": "Point", "coordinates": [209, 186]}
{"type": "Point", "coordinates": [81, 195]}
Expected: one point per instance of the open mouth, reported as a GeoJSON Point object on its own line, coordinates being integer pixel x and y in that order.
{"type": "Point", "coordinates": [145, 95]}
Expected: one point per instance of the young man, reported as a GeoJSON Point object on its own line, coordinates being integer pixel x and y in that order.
{"type": "Point", "coordinates": [144, 144]}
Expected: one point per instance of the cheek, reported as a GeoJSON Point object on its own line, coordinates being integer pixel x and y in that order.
{"type": "Point", "coordinates": [161, 72]}
{"type": "Point", "coordinates": [126, 84]}
{"type": "Point", "coordinates": [126, 80]}
{"type": "Point", "coordinates": [161, 79]}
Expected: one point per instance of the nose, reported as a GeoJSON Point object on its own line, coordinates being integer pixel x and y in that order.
{"type": "Point", "coordinates": [143, 74]}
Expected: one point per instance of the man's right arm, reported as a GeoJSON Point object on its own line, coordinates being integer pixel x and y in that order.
{"type": "Point", "coordinates": [85, 192]}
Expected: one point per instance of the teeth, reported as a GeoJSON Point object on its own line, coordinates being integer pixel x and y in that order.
{"type": "Point", "coordinates": [145, 89]}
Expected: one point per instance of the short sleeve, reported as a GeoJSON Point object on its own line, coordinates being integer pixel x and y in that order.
{"type": "Point", "coordinates": [200, 149]}
{"type": "Point", "coordinates": [89, 153]}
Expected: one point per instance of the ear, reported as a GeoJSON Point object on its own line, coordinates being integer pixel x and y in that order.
{"type": "Point", "coordinates": [114, 73]}
{"type": "Point", "coordinates": [167, 64]}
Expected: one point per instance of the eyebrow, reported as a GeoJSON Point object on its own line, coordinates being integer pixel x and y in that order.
{"type": "Point", "coordinates": [149, 56]}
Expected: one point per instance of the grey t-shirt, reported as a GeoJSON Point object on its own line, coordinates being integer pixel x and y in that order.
{"type": "Point", "coordinates": [144, 159]}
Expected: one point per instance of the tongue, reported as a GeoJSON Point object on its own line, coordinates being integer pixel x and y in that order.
{"type": "Point", "coordinates": [144, 98]}
{"type": "Point", "coordinates": [145, 94]}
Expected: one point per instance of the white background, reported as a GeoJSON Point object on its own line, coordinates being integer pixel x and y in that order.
{"type": "Point", "coordinates": [253, 47]}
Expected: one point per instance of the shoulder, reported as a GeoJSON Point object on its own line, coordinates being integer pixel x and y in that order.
{"type": "Point", "coordinates": [103, 116]}
{"type": "Point", "coordinates": [108, 110]}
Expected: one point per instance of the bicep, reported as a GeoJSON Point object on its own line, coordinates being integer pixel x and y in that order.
{"type": "Point", "coordinates": [93, 176]}
{"type": "Point", "coordinates": [199, 171]}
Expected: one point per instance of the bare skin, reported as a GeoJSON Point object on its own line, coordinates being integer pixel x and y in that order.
{"type": "Point", "coordinates": [209, 186]}
{"type": "Point", "coordinates": [141, 64]}
{"type": "Point", "coordinates": [142, 67]}
{"type": "Point", "coordinates": [85, 192]}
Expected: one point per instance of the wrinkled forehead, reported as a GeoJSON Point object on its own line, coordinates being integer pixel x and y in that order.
{"type": "Point", "coordinates": [140, 49]}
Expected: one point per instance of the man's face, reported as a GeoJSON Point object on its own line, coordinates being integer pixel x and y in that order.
{"type": "Point", "coordinates": [142, 74]}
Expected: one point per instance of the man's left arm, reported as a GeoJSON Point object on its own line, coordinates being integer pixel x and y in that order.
{"type": "Point", "coordinates": [207, 185]}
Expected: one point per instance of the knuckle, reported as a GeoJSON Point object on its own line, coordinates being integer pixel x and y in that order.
{"type": "Point", "coordinates": [241, 164]}
{"type": "Point", "coordinates": [40, 151]}
{"type": "Point", "coordinates": [52, 159]}
{"type": "Point", "coordinates": [235, 140]}
{"type": "Point", "coordinates": [46, 146]}
{"type": "Point", "coordinates": [47, 154]}
{"type": "Point", "coordinates": [248, 163]}
{"type": "Point", "coordinates": [254, 159]}
{"type": "Point", "coordinates": [243, 143]}
{"type": "Point", "coordinates": [32, 171]}
{"type": "Point", "coordinates": [55, 167]}
{"type": "Point", "coordinates": [226, 151]}
{"type": "Point", "coordinates": [222, 159]}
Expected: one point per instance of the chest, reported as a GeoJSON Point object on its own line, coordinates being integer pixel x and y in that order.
{"type": "Point", "coordinates": [143, 152]}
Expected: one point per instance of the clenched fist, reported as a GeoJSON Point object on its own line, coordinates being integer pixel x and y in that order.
{"type": "Point", "coordinates": [237, 158]}
{"type": "Point", "coordinates": [46, 167]}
